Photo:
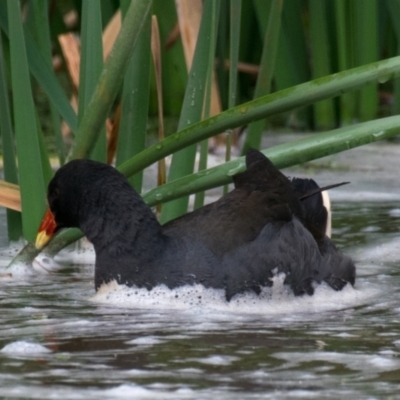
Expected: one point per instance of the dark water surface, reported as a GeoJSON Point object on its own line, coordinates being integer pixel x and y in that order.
{"type": "Point", "coordinates": [56, 341]}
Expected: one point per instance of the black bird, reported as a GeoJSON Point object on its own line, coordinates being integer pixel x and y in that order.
{"type": "Point", "coordinates": [237, 243]}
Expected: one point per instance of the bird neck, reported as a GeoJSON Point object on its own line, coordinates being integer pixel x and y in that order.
{"type": "Point", "coordinates": [122, 222]}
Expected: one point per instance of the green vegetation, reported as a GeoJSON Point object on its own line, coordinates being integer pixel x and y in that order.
{"type": "Point", "coordinates": [314, 63]}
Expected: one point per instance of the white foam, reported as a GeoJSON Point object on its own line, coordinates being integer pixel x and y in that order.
{"type": "Point", "coordinates": [24, 348]}
{"type": "Point", "coordinates": [344, 335]}
{"type": "Point", "coordinates": [276, 300]}
{"type": "Point", "coordinates": [128, 391]}
{"type": "Point", "coordinates": [366, 363]}
{"type": "Point", "coordinates": [18, 270]}
{"type": "Point", "coordinates": [21, 270]}
{"type": "Point", "coordinates": [395, 212]}
{"type": "Point", "coordinates": [215, 360]}
{"type": "Point", "coordinates": [123, 391]}
{"type": "Point", "coordinates": [81, 253]}
{"type": "Point", "coordinates": [44, 264]}
{"type": "Point", "coordinates": [145, 341]}
{"type": "Point", "coordinates": [157, 391]}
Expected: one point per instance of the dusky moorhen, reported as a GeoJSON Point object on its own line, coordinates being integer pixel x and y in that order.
{"type": "Point", "coordinates": [260, 228]}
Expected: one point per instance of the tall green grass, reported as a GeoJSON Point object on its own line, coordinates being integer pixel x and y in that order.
{"type": "Point", "coordinates": [135, 101]}
{"type": "Point", "coordinates": [14, 222]}
{"type": "Point", "coordinates": [192, 107]}
{"type": "Point", "coordinates": [29, 142]}
{"type": "Point", "coordinates": [267, 68]}
{"type": "Point", "coordinates": [292, 42]}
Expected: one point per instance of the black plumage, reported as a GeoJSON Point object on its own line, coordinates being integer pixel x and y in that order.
{"type": "Point", "coordinates": [236, 243]}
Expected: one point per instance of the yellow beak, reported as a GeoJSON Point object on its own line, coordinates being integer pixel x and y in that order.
{"type": "Point", "coordinates": [46, 230]}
